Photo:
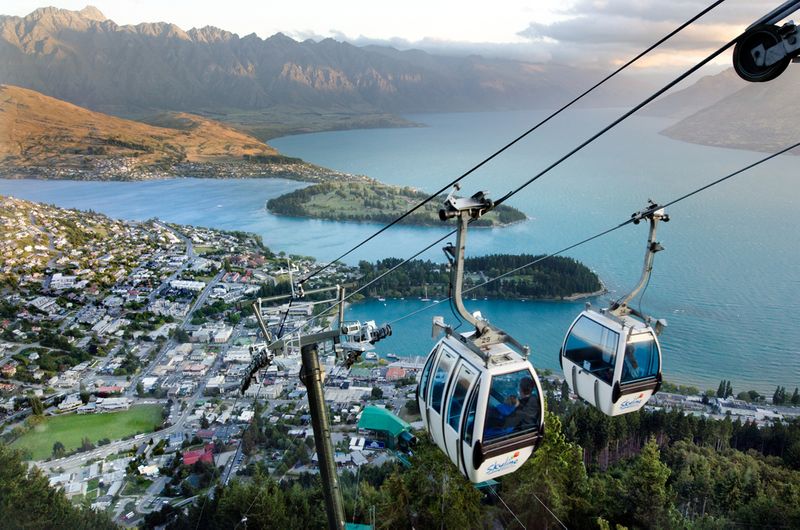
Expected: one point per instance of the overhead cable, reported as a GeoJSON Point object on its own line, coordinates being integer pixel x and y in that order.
{"type": "Point", "coordinates": [609, 230]}
{"type": "Point", "coordinates": [515, 140]}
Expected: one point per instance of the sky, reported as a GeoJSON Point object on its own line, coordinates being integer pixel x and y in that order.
{"type": "Point", "coordinates": [589, 33]}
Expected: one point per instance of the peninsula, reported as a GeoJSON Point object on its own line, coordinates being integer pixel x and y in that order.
{"type": "Point", "coordinates": [44, 137]}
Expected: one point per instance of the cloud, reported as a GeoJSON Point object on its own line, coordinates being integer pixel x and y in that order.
{"type": "Point", "coordinates": [671, 10]}
{"type": "Point", "coordinates": [601, 33]}
{"type": "Point", "coordinates": [611, 31]}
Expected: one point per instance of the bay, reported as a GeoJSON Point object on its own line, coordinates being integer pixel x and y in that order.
{"type": "Point", "coordinates": [728, 281]}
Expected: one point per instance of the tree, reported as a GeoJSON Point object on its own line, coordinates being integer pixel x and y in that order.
{"type": "Point", "coordinates": [564, 391]}
{"type": "Point", "coordinates": [181, 335]}
{"type": "Point", "coordinates": [27, 501]}
{"type": "Point", "coordinates": [36, 406]}
{"type": "Point", "coordinates": [796, 397]}
{"type": "Point", "coordinates": [86, 444]}
{"type": "Point", "coordinates": [412, 406]}
{"type": "Point", "coordinates": [139, 389]}
{"type": "Point", "coordinates": [84, 394]}
{"type": "Point", "coordinates": [646, 490]}
{"type": "Point", "coordinates": [377, 393]}
{"type": "Point", "coordinates": [556, 475]}
{"type": "Point", "coordinates": [204, 422]}
{"type": "Point", "coordinates": [58, 450]}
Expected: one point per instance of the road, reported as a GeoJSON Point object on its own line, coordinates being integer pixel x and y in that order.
{"type": "Point", "coordinates": [50, 243]}
{"type": "Point", "coordinates": [190, 256]}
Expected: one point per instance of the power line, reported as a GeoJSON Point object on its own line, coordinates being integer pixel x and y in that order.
{"type": "Point", "coordinates": [619, 120]}
{"type": "Point", "coordinates": [508, 507]}
{"type": "Point", "coordinates": [516, 140]}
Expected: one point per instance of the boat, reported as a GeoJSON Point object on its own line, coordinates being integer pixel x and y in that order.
{"type": "Point", "coordinates": [392, 356]}
{"type": "Point", "coordinates": [371, 356]}
{"type": "Point", "coordinates": [425, 298]}
{"type": "Point", "coordinates": [381, 299]}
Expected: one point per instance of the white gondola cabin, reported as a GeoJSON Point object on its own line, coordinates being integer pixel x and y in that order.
{"type": "Point", "coordinates": [614, 363]}
{"type": "Point", "coordinates": [612, 358]}
{"type": "Point", "coordinates": [485, 412]}
{"type": "Point", "coordinates": [479, 396]}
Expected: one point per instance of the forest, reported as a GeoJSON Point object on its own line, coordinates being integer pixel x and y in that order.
{"type": "Point", "coordinates": [553, 278]}
{"type": "Point", "coordinates": [649, 469]}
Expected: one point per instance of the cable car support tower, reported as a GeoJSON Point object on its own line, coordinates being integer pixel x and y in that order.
{"type": "Point", "coordinates": [653, 214]}
{"type": "Point", "coordinates": [466, 210]}
{"type": "Point", "coordinates": [312, 375]}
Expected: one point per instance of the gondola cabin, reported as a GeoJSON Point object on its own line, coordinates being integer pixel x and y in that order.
{"type": "Point", "coordinates": [486, 412]}
{"type": "Point", "coordinates": [612, 362]}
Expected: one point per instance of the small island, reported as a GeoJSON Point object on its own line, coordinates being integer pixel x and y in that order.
{"type": "Point", "coordinates": [556, 278]}
{"type": "Point", "coordinates": [373, 201]}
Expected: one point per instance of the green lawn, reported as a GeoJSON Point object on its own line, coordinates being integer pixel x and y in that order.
{"type": "Point", "coordinates": [72, 428]}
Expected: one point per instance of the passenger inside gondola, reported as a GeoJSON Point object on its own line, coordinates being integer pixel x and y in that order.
{"type": "Point", "coordinates": [641, 358]}
{"type": "Point", "coordinates": [513, 405]}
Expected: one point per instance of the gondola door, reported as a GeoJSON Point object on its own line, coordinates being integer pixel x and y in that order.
{"type": "Point", "coordinates": [460, 389]}
{"type": "Point", "coordinates": [441, 380]}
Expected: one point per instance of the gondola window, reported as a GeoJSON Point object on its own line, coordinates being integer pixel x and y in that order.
{"type": "Point", "coordinates": [593, 347]}
{"type": "Point", "coordinates": [439, 380]}
{"type": "Point", "coordinates": [513, 406]}
{"type": "Point", "coordinates": [641, 358]}
{"type": "Point", "coordinates": [471, 408]}
{"type": "Point", "coordinates": [457, 400]}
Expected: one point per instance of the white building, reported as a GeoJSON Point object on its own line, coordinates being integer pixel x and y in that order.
{"type": "Point", "coordinates": [188, 285]}
{"type": "Point", "coordinates": [58, 281]}
{"type": "Point", "coordinates": [72, 402]}
{"type": "Point", "coordinates": [118, 403]}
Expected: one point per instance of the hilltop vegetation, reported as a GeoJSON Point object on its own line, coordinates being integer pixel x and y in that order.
{"type": "Point", "coordinates": [556, 277]}
{"type": "Point", "coordinates": [373, 201]}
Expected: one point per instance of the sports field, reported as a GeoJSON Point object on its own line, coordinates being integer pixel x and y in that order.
{"type": "Point", "coordinates": [72, 428]}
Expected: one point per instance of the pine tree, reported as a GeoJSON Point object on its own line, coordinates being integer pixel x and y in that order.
{"type": "Point", "coordinates": [721, 389]}
{"type": "Point", "coordinates": [648, 495]}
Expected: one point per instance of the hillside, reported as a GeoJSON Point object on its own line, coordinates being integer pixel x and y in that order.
{"type": "Point", "coordinates": [41, 136]}
{"type": "Point", "coordinates": [707, 91]}
{"type": "Point", "coordinates": [373, 201]}
{"type": "Point", "coordinates": [758, 117]}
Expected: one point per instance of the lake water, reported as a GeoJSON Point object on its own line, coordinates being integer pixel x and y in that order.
{"type": "Point", "coordinates": [727, 281]}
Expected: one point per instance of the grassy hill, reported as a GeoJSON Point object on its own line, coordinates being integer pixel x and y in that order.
{"type": "Point", "coordinates": [62, 140]}
{"type": "Point", "coordinates": [373, 201]}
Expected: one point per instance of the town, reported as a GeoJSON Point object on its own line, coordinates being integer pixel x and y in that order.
{"type": "Point", "coordinates": [123, 346]}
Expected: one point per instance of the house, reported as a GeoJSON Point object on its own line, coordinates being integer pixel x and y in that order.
{"type": "Point", "coordinates": [8, 370]}
{"type": "Point", "coordinates": [203, 455]}
{"type": "Point", "coordinates": [395, 373]}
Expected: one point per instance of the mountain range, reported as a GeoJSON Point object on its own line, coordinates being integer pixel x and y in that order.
{"type": "Point", "coordinates": [276, 86]}
{"type": "Point", "coordinates": [87, 59]}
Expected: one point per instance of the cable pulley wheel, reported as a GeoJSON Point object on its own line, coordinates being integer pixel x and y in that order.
{"type": "Point", "coordinates": [745, 64]}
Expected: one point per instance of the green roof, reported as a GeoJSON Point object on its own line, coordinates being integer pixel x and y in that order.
{"type": "Point", "coordinates": [380, 419]}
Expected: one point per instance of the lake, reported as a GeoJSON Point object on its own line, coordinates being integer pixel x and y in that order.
{"type": "Point", "coordinates": [726, 282]}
